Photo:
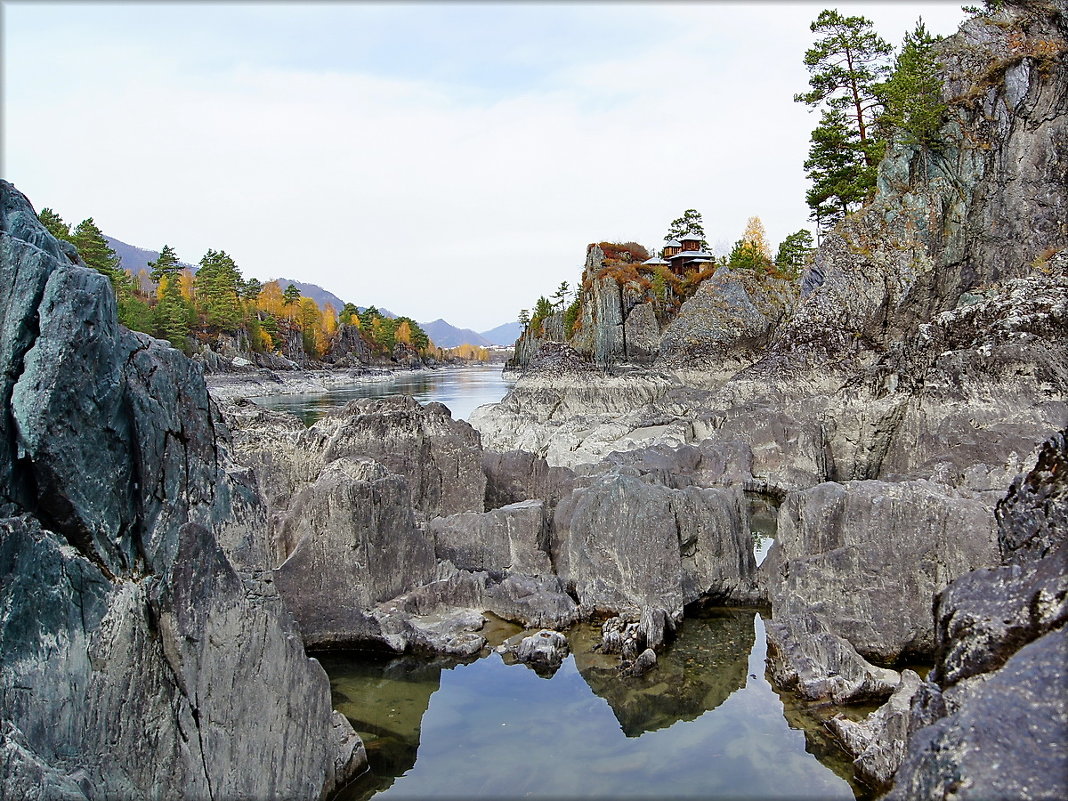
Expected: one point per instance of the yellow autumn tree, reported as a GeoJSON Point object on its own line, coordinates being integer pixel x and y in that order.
{"type": "Point", "coordinates": [311, 326]}
{"type": "Point", "coordinates": [757, 237]}
{"type": "Point", "coordinates": [329, 321]}
{"type": "Point", "coordinates": [751, 252]}
{"type": "Point", "coordinates": [403, 334]}
{"type": "Point", "coordinates": [270, 299]}
{"type": "Point", "coordinates": [187, 281]}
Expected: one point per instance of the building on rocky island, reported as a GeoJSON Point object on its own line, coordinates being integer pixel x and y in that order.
{"type": "Point", "coordinates": [683, 255]}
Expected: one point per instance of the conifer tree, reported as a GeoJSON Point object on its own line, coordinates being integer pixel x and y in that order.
{"type": "Point", "coordinates": [846, 65]}
{"type": "Point", "coordinates": [94, 250]}
{"type": "Point", "coordinates": [291, 294]}
{"type": "Point", "coordinates": [794, 252]}
{"type": "Point", "coordinates": [55, 224]}
{"type": "Point", "coordinates": [217, 285]}
{"type": "Point", "coordinates": [689, 223]}
{"type": "Point", "coordinates": [913, 94]}
{"type": "Point", "coordinates": [172, 312]}
{"type": "Point", "coordinates": [165, 265]}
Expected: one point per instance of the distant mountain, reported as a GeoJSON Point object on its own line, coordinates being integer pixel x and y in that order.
{"type": "Point", "coordinates": [449, 336]}
{"type": "Point", "coordinates": [505, 334]}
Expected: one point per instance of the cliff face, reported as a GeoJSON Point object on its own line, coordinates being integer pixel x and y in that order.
{"type": "Point", "coordinates": [145, 651]}
{"type": "Point", "coordinates": [987, 204]}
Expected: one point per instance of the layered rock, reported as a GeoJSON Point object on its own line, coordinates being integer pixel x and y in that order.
{"type": "Point", "coordinates": [137, 661]}
{"type": "Point", "coordinates": [623, 544]}
{"type": "Point", "coordinates": [868, 558]}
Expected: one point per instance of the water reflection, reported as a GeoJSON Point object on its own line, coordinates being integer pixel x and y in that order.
{"type": "Point", "coordinates": [462, 389]}
{"type": "Point", "coordinates": [708, 661]}
{"type": "Point", "coordinates": [705, 723]}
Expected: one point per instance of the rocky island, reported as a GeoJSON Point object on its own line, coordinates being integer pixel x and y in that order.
{"type": "Point", "coordinates": [170, 558]}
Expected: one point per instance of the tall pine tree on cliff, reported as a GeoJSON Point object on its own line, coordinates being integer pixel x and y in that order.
{"type": "Point", "coordinates": [846, 65]}
{"type": "Point", "coordinates": [913, 94]}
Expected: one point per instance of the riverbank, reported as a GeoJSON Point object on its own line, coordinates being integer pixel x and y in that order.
{"type": "Point", "coordinates": [266, 383]}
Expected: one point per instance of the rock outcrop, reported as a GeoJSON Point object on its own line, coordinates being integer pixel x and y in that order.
{"type": "Point", "coordinates": [996, 691]}
{"type": "Point", "coordinates": [145, 649]}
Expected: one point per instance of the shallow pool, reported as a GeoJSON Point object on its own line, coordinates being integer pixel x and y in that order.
{"type": "Point", "coordinates": [705, 723]}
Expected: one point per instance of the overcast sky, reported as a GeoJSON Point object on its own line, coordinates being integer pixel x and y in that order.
{"type": "Point", "coordinates": [441, 160]}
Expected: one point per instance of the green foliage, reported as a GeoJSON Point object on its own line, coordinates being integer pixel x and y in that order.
{"type": "Point", "coordinates": [251, 289]}
{"type": "Point", "coordinates": [572, 315]}
{"type": "Point", "coordinates": [292, 295]}
{"type": "Point", "coordinates": [913, 93]}
{"type": "Point", "coordinates": [846, 65]}
{"type": "Point", "coordinates": [990, 7]}
{"type": "Point", "coordinates": [561, 293]}
{"type": "Point", "coordinates": [166, 265]}
{"type": "Point", "coordinates": [171, 317]}
{"type": "Point", "coordinates": [746, 255]}
{"type": "Point", "coordinates": [542, 309]}
{"type": "Point", "coordinates": [55, 224]}
{"type": "Point", "coordinates": [348, 313]}
{"type": "Point", "coordinates": [793, 253]}
{"type": "Point", "coordinates": [689, 223]}
{"type": "Point", "coordinates": [218, 286]}
{"type": "Point", "coordinates": [135, 313]}
{"type": "Point", "coordinates": [838, 168]}
{"type": "Point", "coordinates": [524, 318]}
{"type": "Point", "coordinates": [94, 250]}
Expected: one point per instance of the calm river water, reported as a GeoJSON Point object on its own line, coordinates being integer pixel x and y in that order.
{"type": "Point", "coordinates": [462, 389]}
{"type": "Point", "coordinates": [705, 723]}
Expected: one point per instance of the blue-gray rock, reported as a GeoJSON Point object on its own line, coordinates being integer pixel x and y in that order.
{"type": "Point", "coordinates": [145, 650]}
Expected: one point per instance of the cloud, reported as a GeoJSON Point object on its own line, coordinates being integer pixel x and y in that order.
{"type": "Point", "coordinates": [415, 192]}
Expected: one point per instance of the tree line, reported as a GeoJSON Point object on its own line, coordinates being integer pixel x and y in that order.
{"type": "Point", "coordinates": [190, 307]}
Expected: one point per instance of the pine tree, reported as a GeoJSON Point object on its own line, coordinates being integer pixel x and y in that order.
{"type": "Point", "coordinates": [291, 295]}
{"type": "Point", "coordinates": [524, 317]}
{"type": "Point", "coordinates": [218, 283]}
{"type": "Point", "coordinates": [94, 250]}
{"type": "Point", "coordinates": [55, 224]}
{"type": "Point", "coordinates": [165, 265]}
{"type": "Point", "coordinates": [251, 289]}
{"type": "Point", "coordinates": [845, 66]}
{"type": "Point", "coordinates": [689, 223]}
{"type": "Point", "coordinates": [913, 94]}
{"type": "Point", "coordinates": [794, 252]}
{"type": "Point", "coordinates": [172, 312]}
{"type": "Point", "coordinates": [838, 169]}
{"type": "Point", "coordinates": [560, 296]}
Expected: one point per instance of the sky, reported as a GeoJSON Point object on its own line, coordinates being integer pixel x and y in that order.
{"type": "Point", "coordinates": [437, 159]}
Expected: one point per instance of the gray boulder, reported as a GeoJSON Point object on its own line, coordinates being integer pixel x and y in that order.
{"type": "Point", "coordinates": [440, 457]}
{"type": "Point", "coordinates": [511, 538]}
{"type": "Point", "coordinates": [353, 543]}
{"type": "Point", "coordinates": [868, 557]}
{"type": "Point", "coordinates": [544, 650]}
{"type": "Point", "coordinates": [996, 711]}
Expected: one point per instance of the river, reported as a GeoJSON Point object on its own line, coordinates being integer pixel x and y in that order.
{"type": "Point", "coordinates": [705, 723]}
{"type": "Point", "coordinates": [462, 389]}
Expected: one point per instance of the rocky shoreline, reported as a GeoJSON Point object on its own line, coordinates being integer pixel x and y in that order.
{"type": "Point", "coordinates": [262, 383]}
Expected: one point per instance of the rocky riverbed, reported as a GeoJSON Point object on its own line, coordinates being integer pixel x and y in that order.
{"type": "Point", "coordinates": [168, 558]}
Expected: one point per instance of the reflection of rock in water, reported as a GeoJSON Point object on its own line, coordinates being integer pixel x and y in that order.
{"type": "Point", "coordinates": [702, 667]}
{"type": "Point", "coordinates": [810, 717]}
{"type": "Point", "coordinates": [384, 700]}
